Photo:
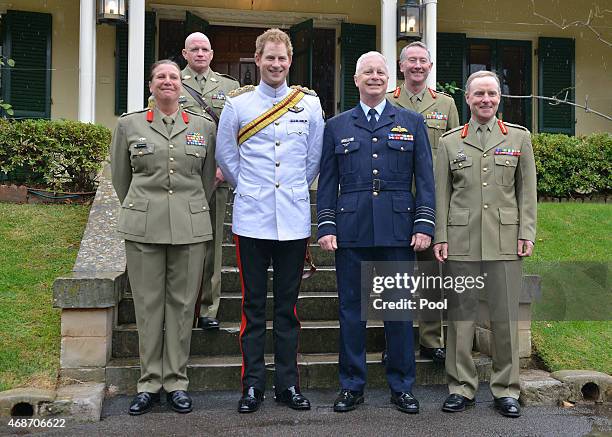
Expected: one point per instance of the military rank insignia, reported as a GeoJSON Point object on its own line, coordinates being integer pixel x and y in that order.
{"type": "Point", "coordinates": [436, 116]}
{"type": "Point", "coordinates": [295, 109]}
{"type": "Point", "coordinates": [219, 96]}
{"type": "Point", "coordinates": [399, 129]}
{"type": "Point", "coordinates": [346, 141]}
{"type": "Point", "coordinates": [461, 156]}
{"type": "Point", "coordinates": [401, 137]}
{"type": "Point", "coordinates": [195, 139]}
{"type": "Point", "coordinates": [508, 152]}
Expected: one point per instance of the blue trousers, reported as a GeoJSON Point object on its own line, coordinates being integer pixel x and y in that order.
{"type": "Point", "coordinates": [400, 367]}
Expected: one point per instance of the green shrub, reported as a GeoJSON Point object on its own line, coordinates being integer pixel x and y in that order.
{"type": "Point", "coordinates": [61, 155]}
{"type": "Point", "coordinates": [573, 166]}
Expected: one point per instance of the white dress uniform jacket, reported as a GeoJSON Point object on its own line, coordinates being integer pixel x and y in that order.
{"type": "Point", "coordinates": [272, 170]}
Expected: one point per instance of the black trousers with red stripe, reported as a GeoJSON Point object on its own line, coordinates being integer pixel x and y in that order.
{"type": "Point", "coordinates": [254, 257]}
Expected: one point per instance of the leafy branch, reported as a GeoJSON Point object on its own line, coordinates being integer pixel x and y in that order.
{"type": "Point", "coordinates": [4, 105]}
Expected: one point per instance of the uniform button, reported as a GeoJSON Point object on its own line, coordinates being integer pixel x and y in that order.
{"type": "Point", "coordinates": [130, 205]}
{"type": "Point", "coordinates": [171, 171]}
{"type": "Point", "coordinates": [484, 155]}
{"type": "Point", "coordinates": [375, 193]}
{"type": "Point", "coordinates": [140, 153]}
{"type": "Point", "coordinates": [375, 140]}
{"type": "Point", "coordinates": [507, 162]}
{"type": "Point", "coordinates": [171, 159]}
{"type": "Point", "coordinates": [276, 123]}
{"type": "Point", "coordinates": [341, 209]}
{"type": "Point", "coordinates": [402, 148]}
{"type": "Point", "coordinates": [204, 208]}
{"type": "Point", "coordinates": [170, 191]}
{"type": "Point", "coordinates": [374, 172]}
{"type": "Point", "coordinates": [485, 206]}
{"type": "Point", "coordinates": [345, 150]}
{"type": "Point", "coordinates": [133, 169]}
{"type": "Point", "coordinates": [375, 155]}
{"type": "Point", "coordinates": [408, 208]}
{"type": "Point", "coordinates": [460, 165]}
{"type": "Point", "coordinates": [171, 146]}
{"type": "Point", "coordinates": [277, 164]}
{"type": "Point", "coordinates": [484, 184]}
{"type": "Point", "coordinates": [484, 169]}
{"type": "Point", "coordinates": [277, 143]}
{"type": "Point", "coordinates": [277, 185]}
{"type": "Point", "coordinates": [198, 155]}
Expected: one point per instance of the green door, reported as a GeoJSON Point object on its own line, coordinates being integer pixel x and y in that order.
{"type": "Point", "coordinates": [301, 65]}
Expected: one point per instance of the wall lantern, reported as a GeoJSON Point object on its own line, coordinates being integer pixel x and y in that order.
{"type": "Point", "coordinates": [409, 20]}
{"type": "Point", "coordinates": [112, 11]}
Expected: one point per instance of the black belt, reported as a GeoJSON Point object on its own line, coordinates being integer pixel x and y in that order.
{"type": "Point", "coordinates": [375, 185]}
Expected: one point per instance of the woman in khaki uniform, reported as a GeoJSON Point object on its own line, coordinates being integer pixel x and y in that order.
{"type": "Point", "coordinates": [162, 162]}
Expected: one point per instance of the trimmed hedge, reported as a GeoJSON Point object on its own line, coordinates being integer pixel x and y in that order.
{"type": "Point", "coordinates": [61, 155]}
{"type": "Point", "coordinates": [573, 166]}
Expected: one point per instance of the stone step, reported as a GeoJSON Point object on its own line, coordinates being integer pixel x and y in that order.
{"type": "Point", "coordinates": [311, 306]}
{"type": "Point", "coordinates": [317, 371]}
{"type": "Point", "coordinates": [321, 257]}
{"type": "Point", "coordinates": [321, 336]}
{"type": "Point", "coordinates": [228, 237]}
{"type": "Point", "coordinates": [324, 280]}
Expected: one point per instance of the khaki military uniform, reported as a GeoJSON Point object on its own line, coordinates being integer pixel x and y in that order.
{"type": "Point", "coordinates": [214, 89]}
{"type": "Point", "coordinates": [441, 115]}
{"type": "Point", "coordinates": [485, 202]}
{"type": "Point", "coordinates": [162, 180]}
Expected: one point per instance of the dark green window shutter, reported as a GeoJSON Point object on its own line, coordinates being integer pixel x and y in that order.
{"type": "Point", "coordinates": [356, 39]}
{"type": "Point", "coordinates": [121, 61]}
{"type": "Point", "coordinates": [450, 60]}
{"type": "Point", "coordinates": [27, 86]}
{"type": "Point", "coordinates": [556, 77]}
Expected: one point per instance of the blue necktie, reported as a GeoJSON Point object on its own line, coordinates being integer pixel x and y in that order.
{"type": "Point", "coordinates": [372, 113]}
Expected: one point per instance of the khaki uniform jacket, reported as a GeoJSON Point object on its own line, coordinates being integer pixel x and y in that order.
{"type": "Point", "coordinates": [162, 180]}
{"type": "Point", "coordinates": [485, 200]}
{"type": "Point", "coordinates": [215, 91]}
{"type": "Point", "coordinates": [440, 113]}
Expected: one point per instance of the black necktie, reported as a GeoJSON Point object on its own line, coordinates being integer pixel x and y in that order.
{"type": "Point", "coordinates": [372, 113]}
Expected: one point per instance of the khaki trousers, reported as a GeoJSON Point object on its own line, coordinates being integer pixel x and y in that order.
{"type": "Point", "coordinates": [503, 282]}
{"type": "Point", "coordinates": [165, 280]}
{"type": "Point", "coordinates": [211, 277]}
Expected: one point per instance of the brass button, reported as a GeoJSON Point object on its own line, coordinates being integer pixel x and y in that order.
{"type": "Point", "coordinates": [484, 169]}
{"type": "Point", "coordinates": [171, 146]}
{"type": "Point", "coordinates": [277, 164]}
{"type": "Point", "coordinates": [485, 206]}
{"type": "Point", "coordinates": [374, 172]}
{"type": "Point", "coordinates": [375, 155]}
{"type": "Point", "coordinates": [375, 140]}
{"type": "Point", "coordinates": [484, 155]}
{"type": "Point", "coordinates": [484, 184]}
{"type": "Point", "coordinates": [133, 169]}
{"type": "Point", "coordinates": [375, 193]}
{"type": "Point", "coordinates": [507, 162]}
{"type": "Point", "coordinates": [171, 159]}
{"type": "Point", "coordinates": [130, 205]}
{"type": "Point", "coordinates": [170, 191]}
{"type": "Point", "coordinates": [204, 208]}
{"type": "Point", "coordinates": [140, 153]}
{"type": "Point", "coordinates": [460, 165]}
{"type": "Point", "coordinates": [277, 143]}
{"type": "Point", "coordinates": [197, 154]}
{"type": "Point", "coordinates": [277, 185]}
{"type": "Point", "coordinates": [171, 171]}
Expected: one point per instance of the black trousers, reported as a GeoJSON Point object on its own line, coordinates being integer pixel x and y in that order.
{"type": "Point", "coordinates": [254, 257]}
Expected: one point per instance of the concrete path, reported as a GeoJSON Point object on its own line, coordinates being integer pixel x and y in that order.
{"type": "Point", "coordinates": [215, 414]}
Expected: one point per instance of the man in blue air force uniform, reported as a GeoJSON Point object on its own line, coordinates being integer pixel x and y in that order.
{"type": "Point", "coordinates": [371, 154]}
{"type": "Point", "coordinates": [269, 147]}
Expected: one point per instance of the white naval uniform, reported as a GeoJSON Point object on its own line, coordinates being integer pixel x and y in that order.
{"type": "Point", "coordinates": [273, 169]}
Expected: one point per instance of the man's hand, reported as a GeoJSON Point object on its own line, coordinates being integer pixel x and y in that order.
{"type": "Point", "coordinates": [420, 242]}
{"type": "Point", "coordinates": [525, 248]}
{"type": "Point", "coordinates": [440, 251]}
{"type": "Point", "coordinates": [219, 177]}
{"type": "Point", "coordinates": [328, 243]}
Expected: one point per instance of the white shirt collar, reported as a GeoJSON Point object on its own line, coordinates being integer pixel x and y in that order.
{"type": "Point", "coordinates": [267, 90]}
{"type": "Point", "coordinates": [379, 108]}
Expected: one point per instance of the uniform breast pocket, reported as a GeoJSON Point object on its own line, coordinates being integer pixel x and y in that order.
{"type": "Point", "coordinates": [297, 127]}
{"type": "Point", "coordinates": [435, 129]}
{"type": "Point", "coordinates": [458, 231]}
{"type": "Point", "coordinates": [347, 225]}
{"type": "Point", "coordinates": [461, 172]}
{"type": "Point", "coordinates": [400, 159]}
{"type": "Point", "coordinates": [200, 218]}
{"type": "Point", "coordinates": [195, 158]}
{"type": "Point", "coordinates": [133, 217]}
{"type": "Point", "coordinates": [346, 153]}
{"type": "Point", "coordinates": [508, 230]}
{"type": "Point", "coordinates": [141, 157]}
{"type": "Point", "coordinates": [403, 217]}
{"type": "Point", "coordinates": [505, 168]}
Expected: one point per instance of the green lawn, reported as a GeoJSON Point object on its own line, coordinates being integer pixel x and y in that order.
{"type": "Point", "coordinates": [37, 244]}
{"type": "Point", "coordinates": [570, 232]}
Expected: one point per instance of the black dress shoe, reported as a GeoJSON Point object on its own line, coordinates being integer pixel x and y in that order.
{"type": "Point", "coordinates": [293, 399]}
{"type": "Point", "coordinates": [455, 403]}
{"type": "Point", "coordinates": [405, 402]}
{"type": "Point", "coordinates": [347, 400]}
{"type": "Point", "coordinates": [437, 354]}
{"type": "Point", "coordinates": [250, 401]}
{"type": "Point", "coordinates": [142, 403]}
{"type": "Point", "coordinates": [179, 401]}
{"type": "Point", "coordinates": [208, 323]}
{"type": "Point", "coordinates": [508, 407]}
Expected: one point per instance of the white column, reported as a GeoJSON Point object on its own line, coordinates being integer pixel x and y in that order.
{"type": "Point", "coordinates": [136, 36]}
{"type": "Point", "coordinates": [87, 61]}
{"type": "Point", "coordinates": [431, 29]}
{"type": "Point", "coordinates": [388, 37]}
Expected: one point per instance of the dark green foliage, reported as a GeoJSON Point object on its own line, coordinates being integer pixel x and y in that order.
{"type": "Point", "coordinates": [573, 166]}
{"type": "Point", "coordinates": [61, 155]}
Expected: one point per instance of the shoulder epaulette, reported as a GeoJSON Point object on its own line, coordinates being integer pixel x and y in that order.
{"type": "Point", "coordinates": [227, 76]}
{"type": "Point", "coordinates": [304, 90]}
{"type": "Point", "coordinates": [458, 128]}
{"type": "Point", "coordinates": [134, 112]}
{"type": "Point", "coordinates": [444, 94]}
{"type": "Point", "coordinates": [518, 126]}
{"type": "Point", "coordinates": [241, 90]}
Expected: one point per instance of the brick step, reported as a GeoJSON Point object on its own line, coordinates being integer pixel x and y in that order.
{"type": "Point", "coordinates": [323, 280]}
{"type": "Point", "coordinates": [320, 256]}
{"type": "Point", "coordinates": [228, 237]}
{"type": "Point", "coordinates": [320, 336]}
{"type": "Point", "coordinates": [311, 306]}
{"type": "Point", "coordinates": [317, 371]}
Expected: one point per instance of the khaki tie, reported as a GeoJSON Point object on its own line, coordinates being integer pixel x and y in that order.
{"type": "Point", "coordinates": [169, 122]}
{"type": "Point", "coordinates": [483, 134]}
{"type": "Point", "coordinates": [202, 82]}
